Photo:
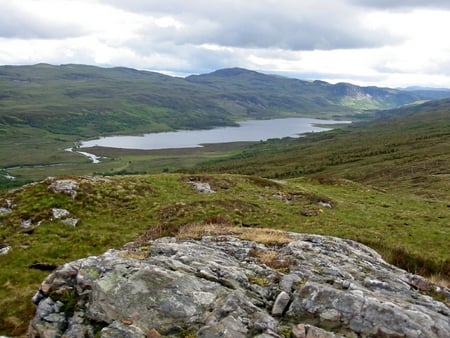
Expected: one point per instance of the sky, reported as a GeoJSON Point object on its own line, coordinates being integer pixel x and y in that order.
{"type": "Point", "coordinates": [389, 43]}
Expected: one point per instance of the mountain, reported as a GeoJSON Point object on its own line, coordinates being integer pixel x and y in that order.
{"type": "Point", "coordinates": [419, 88]}
{"type": "Point", "coordinates": [91, 101]}
{"type": "Point", "coordinates": [86, 100]}
{"type": "Point", "coordinates": [45, 109]}
{"type": "Point", "coordinates": [383, 183]}
{"type": "Point", "coordinates": [313, 95]}
{"type": "Point", "coordinates": [430, 93]}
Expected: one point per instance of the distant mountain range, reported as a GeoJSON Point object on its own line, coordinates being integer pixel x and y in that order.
{"type": "Point", "coordinates": [88, 101]}
{"type": "Point", "coordinates": [419, 88]}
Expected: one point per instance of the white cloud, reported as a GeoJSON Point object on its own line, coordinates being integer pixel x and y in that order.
{"type": "Point", "coordinates": [391, 43]}
{"type": "Point", "coordinates": [404, 4]}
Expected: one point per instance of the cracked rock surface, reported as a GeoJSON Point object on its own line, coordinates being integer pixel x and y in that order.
{"type": "Point", "coordinates": [219, 287]}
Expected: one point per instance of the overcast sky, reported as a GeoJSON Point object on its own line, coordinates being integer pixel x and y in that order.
{"type": "Point", "coordinates": [392, 43]}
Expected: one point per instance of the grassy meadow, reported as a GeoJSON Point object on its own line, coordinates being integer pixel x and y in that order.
{"type": "Point", "coordinates": [119, 209]}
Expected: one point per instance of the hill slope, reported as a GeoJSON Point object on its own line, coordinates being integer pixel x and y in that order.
{"type": "Point", "coordinates": [406, 148]}
{"type": "Point", "coordinates": [57, 220]}
{"type": "Point", "coordinates": [90, 101]}
{"type": "Point", "coordinates": [46, 109]}
{"type": "Point", "coordinates": [265, 90]}
{"type": "Point", "coordinates": [60, 219]}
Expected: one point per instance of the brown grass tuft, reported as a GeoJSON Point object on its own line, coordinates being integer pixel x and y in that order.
{"type": "Point", "coordinates": [201, 229]}
{"type": "Point", "coordinates": [265, 236]}
{"type": "Point", "coordinates": [219, 226]}
{"type": "Point", "coordinates": [272, 258]}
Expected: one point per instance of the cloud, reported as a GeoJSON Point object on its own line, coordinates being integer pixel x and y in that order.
{"type": "Point", "coordinates": [29, 22]}
{"type": "Point", "coordinates": [370, 41]}
{"type": "Point", "coordinates": [284, 24]}
{"type": "Point", "coordinates": [403, 4]}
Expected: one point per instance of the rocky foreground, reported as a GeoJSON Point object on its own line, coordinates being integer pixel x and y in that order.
{"type": "Point", "coordinates": [225, 286]}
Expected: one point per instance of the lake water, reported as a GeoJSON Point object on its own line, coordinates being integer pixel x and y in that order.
{"type": "Point", "coordinates": [251, 130]}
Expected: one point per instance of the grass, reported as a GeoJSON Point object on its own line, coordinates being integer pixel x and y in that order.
{"type": "Point", "coordinates": [384, 184]}
{"type": "Point", "coordinates": [45, 109]}
{"type": "Point", "coordinates": [116, 210]}
{"type": "Point", "coordinates": [220, 226]}
{"type": "Point", "coordinates": [38, 155]}
{"type": "Point", "coordinates": [405, 150]}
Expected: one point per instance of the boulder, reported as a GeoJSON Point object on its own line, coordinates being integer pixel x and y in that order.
{"type": "Point", "coordinates": [65, 186]}
{"type": "Point", "coordinates": [202, 187]}
{"type": "Point", "coordinates": [219, 286]}
{"type": "Point", "coordinates": [4, 249]}
{"type": "Point", "coordinates": [5, 206]}
{"type": "Point", "coordinates": [60, 213]}
{"type": "Point", "coordinates": [71, 221]}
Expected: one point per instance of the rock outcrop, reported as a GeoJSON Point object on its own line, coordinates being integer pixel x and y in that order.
{"type": "Point", "coordinates": [224, 286]}
{"type": "Point", "coordinates": [5, 206]}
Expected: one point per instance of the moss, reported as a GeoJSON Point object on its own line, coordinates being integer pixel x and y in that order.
{"type": "Point", "coordinates": [286, 332]}
{"type": "Point", "coordinates": [69, 298]}
{"type": "Point", "coordinates": [92, 273]}
{"type": "Point", "coordinates": [258, 280]}
{"type": "Point", "coordinates": [300, 283]}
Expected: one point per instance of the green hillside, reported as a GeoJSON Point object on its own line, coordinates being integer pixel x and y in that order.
{"type": "Point", "coordinates": [404, 149]}
{"type": "Point", "coordinates": [90, 101]}
{"type": "Point", "coordinates": [410, 231]}
{"type": "Point", "coordinates": [46, 109]}
{"type": "Point", "coordinates": [397, 201]}
{"type": "Point", "coordinates": [275, 92]}
{"type": "Point", "coordinates": [383, 182]}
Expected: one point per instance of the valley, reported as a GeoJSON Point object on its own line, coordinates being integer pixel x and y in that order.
{"type": "Point", "coordinates": [383, 180]}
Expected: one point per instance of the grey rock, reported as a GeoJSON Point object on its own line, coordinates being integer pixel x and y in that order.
{"type": "Point", "coordinates": [5, 250]}
{"type": "Point", "coordinates": [325, 204]}
{"type": "Point", "coordinates": [6, 207]}
{"type": "Point", "coordinates": [60, 213]}
{"type": "Point", "coordinates": [268, 335]}
{"type": "Point", "coordinates": [280, 304]}
{"type": "Point", "coordinates": [315, 332]}
{"type": "Point", "coordinates": [52, 322]}
{"type": "Point", "coordinates": [228, 327]}
{"type": "Point", "coordinates": [73, 222]}
{"type": "Point", "coordinates": [4, 211]}
{"type": "Point", "coordinates": [289, 281]}
{"type": "Point", "coordinates": [77, 328]}
{"type": "Point", "coordinates": [26, 223]}
{"type": "Point", "coordinates": [202, 187]}
{"type": "Point", "coordinates": [68, 187]}
{"type": "Point", "coordinates": [120, 330]}
{"type": "Point", "coordinates": [310, 331]}
{"type": "Point", "coordinates": [216, 287]}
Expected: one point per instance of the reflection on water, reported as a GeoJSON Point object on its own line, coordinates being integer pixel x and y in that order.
{"type": "Point", "coordinates": [247, 131]}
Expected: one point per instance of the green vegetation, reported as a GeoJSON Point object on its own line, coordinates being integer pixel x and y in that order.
{"type": "Point", "coordinates": [119, 209]}
{"type": "Point", "coordinates": [384, 183]}
{"type": "Point", "coordinates": [46, 109]}
{"type": "Point", "coordinates": [89, 101]}
{"type": "Point", "coordinates": [404, 150]}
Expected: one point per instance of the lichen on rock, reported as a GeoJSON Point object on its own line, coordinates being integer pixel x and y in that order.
{"type": "Point", "coordinates": [332, 287]}
{"type": "Point", "coordinates": [65, 186]}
